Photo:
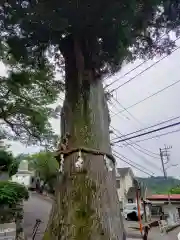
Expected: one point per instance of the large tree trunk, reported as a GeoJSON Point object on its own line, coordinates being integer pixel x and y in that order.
{"type": "Point", "coordinates": [86, 205]}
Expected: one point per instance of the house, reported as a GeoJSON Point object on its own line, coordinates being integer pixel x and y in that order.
{"type": "Point", "coordinates": [160, 203]}
{"type": "Point", "coordinates": [126, 186]}
{"type": "Point", "coordinates": [24, 176]}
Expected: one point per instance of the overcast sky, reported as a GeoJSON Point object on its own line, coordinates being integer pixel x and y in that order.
{"type": "Point", "coordinates": [161, 107]}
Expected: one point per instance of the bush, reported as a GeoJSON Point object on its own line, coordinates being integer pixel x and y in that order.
{"type": "Point", "coordinates": [12, 193]}
{"type": "Point", "coordinates": [6, 160]}
{"type": "Point", "coordinates": [13, 168]}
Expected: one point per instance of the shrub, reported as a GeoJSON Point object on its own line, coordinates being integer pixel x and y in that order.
{"type": "Point", "coordinates": [12, 193]}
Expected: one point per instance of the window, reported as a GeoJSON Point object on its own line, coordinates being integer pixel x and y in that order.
{"type": "Point", "coordinates": [117, 183]}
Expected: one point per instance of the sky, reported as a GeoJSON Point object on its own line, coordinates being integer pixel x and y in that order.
{"type": "Point", "coordinates": [158, 108]}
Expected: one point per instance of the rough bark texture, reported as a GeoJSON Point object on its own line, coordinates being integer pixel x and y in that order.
{"type": "Point", "coordinates": [86, 205]}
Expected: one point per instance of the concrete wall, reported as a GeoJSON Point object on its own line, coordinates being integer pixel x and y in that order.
{"type": "Point", "coordinates": [125, 183]}
{"type": "Point", "coordinates": [173, 208]}
{"type": "Point", "coordinates": [128, 182]}
{"type": "Point", "coordinates": [121, 190]}
{"type": "Point", "coordinates": [24, 179]}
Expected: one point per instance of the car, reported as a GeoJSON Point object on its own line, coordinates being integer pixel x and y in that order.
{"type": "Point", "coordinates": [131, 211]}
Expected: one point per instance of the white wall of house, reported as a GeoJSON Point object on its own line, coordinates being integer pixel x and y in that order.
{"type": "Point", "coordinates": [22, 179]}
{"type": "Point", "coordinates": [128, 182]}
{"type": "Point", "coordinates": [173, 208]}
{"type": "Point", "coordinates": [125, 183]}
{"type": "Point", "coordinates": [24, 176]}
{"type": "Point", "coordinates": [121, 190]}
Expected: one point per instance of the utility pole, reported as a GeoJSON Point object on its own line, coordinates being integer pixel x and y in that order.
{"type": "Point", "coordinates": [164, 153]}
{"type": "Point", "coordinates": [138, 207]}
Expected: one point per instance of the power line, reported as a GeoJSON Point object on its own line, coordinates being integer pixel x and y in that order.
{"type": "Point", "coordinates": [118, 110]}
{"type": "Point", "coordinates": [149, 153]}
{"type": "Point", "coordinates": [137, 131]}
{"type": "Point", "coordinates": [128, 119]}
{"type": "Point", "coordinates": [145, 153]}
{"type": "Point", "coordinates": [150, 163]}
{"type": "Point", "coordinates": [108, 85]}
{"type": "Point", "coordinates": [147, 150]}
{"type": "Point", "coordinates": [129, 162]}
{"type": "Point", "coordinates": [142, 157]}
{"type": "Point", "coordinates": [171, 119]}
{"type": "Point", "coordinates": [127, 111]}
{"type": "Point", "coordinates": [149, 132]}
{"type": "Point", "coordinates": [152, 65]}
{"type": "Point", "coordinates": [132, 162]}
{"type": "Point", "coordinates": [152, 95]}
{"type": "Point", "coordinates": [160, 135]}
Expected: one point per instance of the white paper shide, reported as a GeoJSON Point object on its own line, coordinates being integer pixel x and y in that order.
{"type": "Point", "coordinates": [80, 162]}
{"type": "Point", "coordinates": [109, 163]}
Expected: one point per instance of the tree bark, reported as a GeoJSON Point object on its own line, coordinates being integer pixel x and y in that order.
{"type": "Point", "coordinates": [86, 205]}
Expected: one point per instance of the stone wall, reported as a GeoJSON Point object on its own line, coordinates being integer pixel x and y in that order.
{"type": "Point", "coordinates": [13, 215]}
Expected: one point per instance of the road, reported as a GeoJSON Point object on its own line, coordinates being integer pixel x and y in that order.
{"type": "Point", "coordinates": [37, 208]}
{"type": "Point", "coordinates": [156, 235]}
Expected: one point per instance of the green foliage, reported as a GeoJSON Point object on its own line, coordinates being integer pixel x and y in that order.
{"type": "Point", "coordinates": [13, 168]}
{"type": "Point", "coordinates": [12, 193]}
{"type": "Point", "coordinates": [108, 32]}
{"type": "Point", "coordinates": [26, 93]}
{"type": "Point", "coordinates": [175, 189]}
{"type": "Point", "coordinates": [24, 106]}
{"type": "Point", "coordinates": [45, 166]}
{"type": "Point", "coordinates": [159, 185]}
{"type": "Point", "coordinates": [6, 160]}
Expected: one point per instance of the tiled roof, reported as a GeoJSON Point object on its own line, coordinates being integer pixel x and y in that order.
{"type": "Point", "coordinates": [164, 196]}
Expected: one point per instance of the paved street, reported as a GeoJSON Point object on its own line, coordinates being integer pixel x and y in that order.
{"type": "Point", "coordinates": [156, 235]}
{"type": "Point", "coordinates": [37, 208]}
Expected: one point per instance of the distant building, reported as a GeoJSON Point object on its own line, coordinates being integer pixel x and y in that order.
{"type": "Point", "coordinates": [160, 203]}
{"type": "Point", "coordinates": [24, 176]}
{"type": "Point", "coordinates": [125, 184]}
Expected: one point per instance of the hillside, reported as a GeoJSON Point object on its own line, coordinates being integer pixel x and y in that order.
{"type": "Point", "coordinates": [158, 184]}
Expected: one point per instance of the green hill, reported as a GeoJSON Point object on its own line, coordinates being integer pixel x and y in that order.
{"type": "Point", "coordinates": [159, 185]}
